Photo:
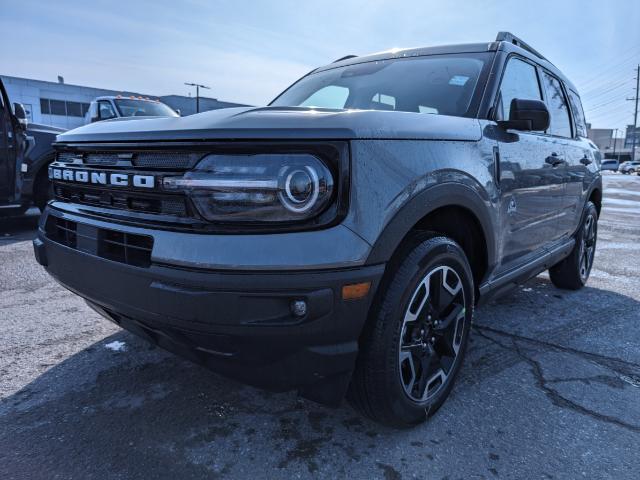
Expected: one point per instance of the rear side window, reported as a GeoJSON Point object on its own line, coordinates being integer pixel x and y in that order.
{"type": "Point", "coordinates": [578, 114]}
{"type": "Point", "coordinates": [520, 80]}
{"type": "Point", "coordinates": [557, 105]}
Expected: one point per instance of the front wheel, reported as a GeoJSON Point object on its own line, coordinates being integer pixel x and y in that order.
{"type": "Point", "coordinates": [416, 337]}
{"type": "Point", "coordinates": [573, 272]}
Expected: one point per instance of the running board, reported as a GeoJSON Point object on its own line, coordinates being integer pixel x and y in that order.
{"type": "Point", "coordinates": [523, 273]}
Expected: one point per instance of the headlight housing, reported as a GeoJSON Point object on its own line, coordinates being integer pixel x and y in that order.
{"type": "Point", "coordinates": [288, 187]}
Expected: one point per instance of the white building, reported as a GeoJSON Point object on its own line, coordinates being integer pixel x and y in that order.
{"type": "Point", "coordinates": [63, 105]}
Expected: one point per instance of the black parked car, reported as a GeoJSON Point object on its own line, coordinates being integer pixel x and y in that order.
{"type": "Point", "coordinates": [337, 241]}
{"type": "Point", "coordinates": [26, 150]}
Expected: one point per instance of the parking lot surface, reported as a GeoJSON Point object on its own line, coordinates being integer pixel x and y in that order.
{"type": "Point", "coordinates": [550, 389]}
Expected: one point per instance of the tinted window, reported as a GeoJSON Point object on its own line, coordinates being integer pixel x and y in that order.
{"type": "Point", "coordinates": [578, 114]}
{"type": "Point", "coordinates": [557, 105]}
{"type": "Point", "coordinates": [520, 80]}
{"type": "Point", "coordinates": [44, 105]}
{"type": "Point", "coordinates": [57, 107]}
{"type": "Point", "coordinates": [444, 83]}
{"type": "Point", "coordinates": [74, 109]}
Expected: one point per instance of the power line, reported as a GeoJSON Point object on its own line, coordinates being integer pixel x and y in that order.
{"type": "Point", "coordinates": [616, 64]}
{"type": "Point", "coordinates": [592, 96]}
{"type": "Point", "coordinates": [604, 104]}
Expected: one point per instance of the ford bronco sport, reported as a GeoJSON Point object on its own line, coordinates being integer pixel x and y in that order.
{"type": "Point", "coordinates": [337, 241]}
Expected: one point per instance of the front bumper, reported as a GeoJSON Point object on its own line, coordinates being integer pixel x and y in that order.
{"type": "Point", "coordinates": [238, 323]}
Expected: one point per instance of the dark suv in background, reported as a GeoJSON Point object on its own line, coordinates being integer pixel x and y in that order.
{"type": "Point", "coordinates": [337, 241]}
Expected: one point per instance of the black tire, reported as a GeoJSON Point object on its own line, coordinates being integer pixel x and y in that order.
{"type": "Point", "coordinates": [42, 190]}
{"type": "Point", "coordinates": [573, 272]}
{"type": "Point", "coordinates": [384, 380]}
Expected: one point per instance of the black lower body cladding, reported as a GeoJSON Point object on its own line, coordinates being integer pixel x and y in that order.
{"type": "Point", "coordinates": [239, 324]}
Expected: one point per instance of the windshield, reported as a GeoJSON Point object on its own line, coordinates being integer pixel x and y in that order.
{"type": "Point", "coordinates": [442, 84]}
{"type": "Point", "coordinates": [129, 107]}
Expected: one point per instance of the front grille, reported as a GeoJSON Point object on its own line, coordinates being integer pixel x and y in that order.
{"type": "Point", "coordinates": [144, 159]}
{"type": "Point", "coordinates": [173, 160]}
{"type": "Point", "coordinates": [101, 159]}
{"type": "Point", "coordinates": [122, 247]}
{"type": "Point", "coordinates": [62, 231]}
{"type": "Point", "coordinates": [69, 157]}
{"type": "Point", "coordinates": [161, 204]}
{"type": "Point", "coordinates": [125, 247]}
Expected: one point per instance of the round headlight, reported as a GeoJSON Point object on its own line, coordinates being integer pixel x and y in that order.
{"type": "Point", "coordinates": [301, 189]}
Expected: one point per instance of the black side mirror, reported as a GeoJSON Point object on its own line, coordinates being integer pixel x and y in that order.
{"type": "Point", "coordinates": [21, 115]}
{"type": "Point", "coordinates": [527, 115]}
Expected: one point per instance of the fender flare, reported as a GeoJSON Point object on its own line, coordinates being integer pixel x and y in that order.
{"type": "Point", "coordinates": [596, 184]}
{"type": "Point", "coordinates": [427, 201]}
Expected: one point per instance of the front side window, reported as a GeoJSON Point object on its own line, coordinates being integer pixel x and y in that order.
{"type": "Point", "coordinates": [578, 114]}
{"type": "Point", "coordinates": [520, 81]}
{"type": "Point", "coordinates": [557, 105]}
{"type": "Point", "coordinates": [437, 84]}
{"type": "Point", "coordinates": [105, 111]}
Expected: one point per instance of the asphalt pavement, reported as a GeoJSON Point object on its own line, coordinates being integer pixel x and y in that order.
{"type": "Point", "coordinates": [550, 389]}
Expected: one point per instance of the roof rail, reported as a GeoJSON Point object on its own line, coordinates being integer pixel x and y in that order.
{"type": "Point", "coordinates": [511, 38]}
{"type": "Point", "coordinates": [346, 57]}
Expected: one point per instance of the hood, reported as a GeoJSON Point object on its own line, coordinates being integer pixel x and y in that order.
{"type": "Point", "coordinates": [38, 128]}
{"type": "Point", "coordinates": [281, 123]}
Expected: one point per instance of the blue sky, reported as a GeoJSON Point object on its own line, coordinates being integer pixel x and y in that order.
{"type": "Point", "coordinates": [248, 51]}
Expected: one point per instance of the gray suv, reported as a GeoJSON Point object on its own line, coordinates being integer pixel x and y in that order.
{"type": "Point", "coordinates": [337, 241]}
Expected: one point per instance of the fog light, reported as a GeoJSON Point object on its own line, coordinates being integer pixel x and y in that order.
{"type": "Point", "coordinates": [299, 308]}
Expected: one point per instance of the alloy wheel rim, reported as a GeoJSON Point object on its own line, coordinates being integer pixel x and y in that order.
{"type": "Point", "coordinates": [587, 247]}
{"type": "Point", "coordinates": [431, 334]}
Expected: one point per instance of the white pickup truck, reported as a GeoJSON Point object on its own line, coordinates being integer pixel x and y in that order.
{"type": "Point", "coordinates": [108, 107]}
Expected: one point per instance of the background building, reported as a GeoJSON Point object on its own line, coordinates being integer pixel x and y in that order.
{"type": "Point", "coordinates": [602, 137]}
{"type": "Point", "coordinates": [610, 146]}
{"type": "Point", "coordinates": [63, 105]}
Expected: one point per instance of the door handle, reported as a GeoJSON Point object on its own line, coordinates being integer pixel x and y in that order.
{"type": "Point", "coordinates": [586, 160]}
{"type": "Point", "coordinates": [554, 160]}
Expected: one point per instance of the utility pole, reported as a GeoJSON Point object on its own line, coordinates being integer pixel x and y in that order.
{"type": "Point", "coordinates": [635, 116]}
{"type": "Point", "coordinates": [615, 139]}
{"type": "Point", "coordinates": [198, 87]}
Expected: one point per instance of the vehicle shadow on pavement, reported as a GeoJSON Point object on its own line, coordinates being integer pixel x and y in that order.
{"type": "Point", "coordinates": [20, 228]}
{"type": "Point", "coordinates": [124, 409]}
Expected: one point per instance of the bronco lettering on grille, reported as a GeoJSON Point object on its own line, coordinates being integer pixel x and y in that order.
{"type": "Point", "coordinates": [102, 178]}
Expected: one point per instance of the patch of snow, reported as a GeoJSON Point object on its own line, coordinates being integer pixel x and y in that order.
{"type": "Point", "coordinates": [528, 289]}
{"type": "Point", "coordinates": [622, 191]}
{"type": "Point", "coordinates": [116, 346]}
